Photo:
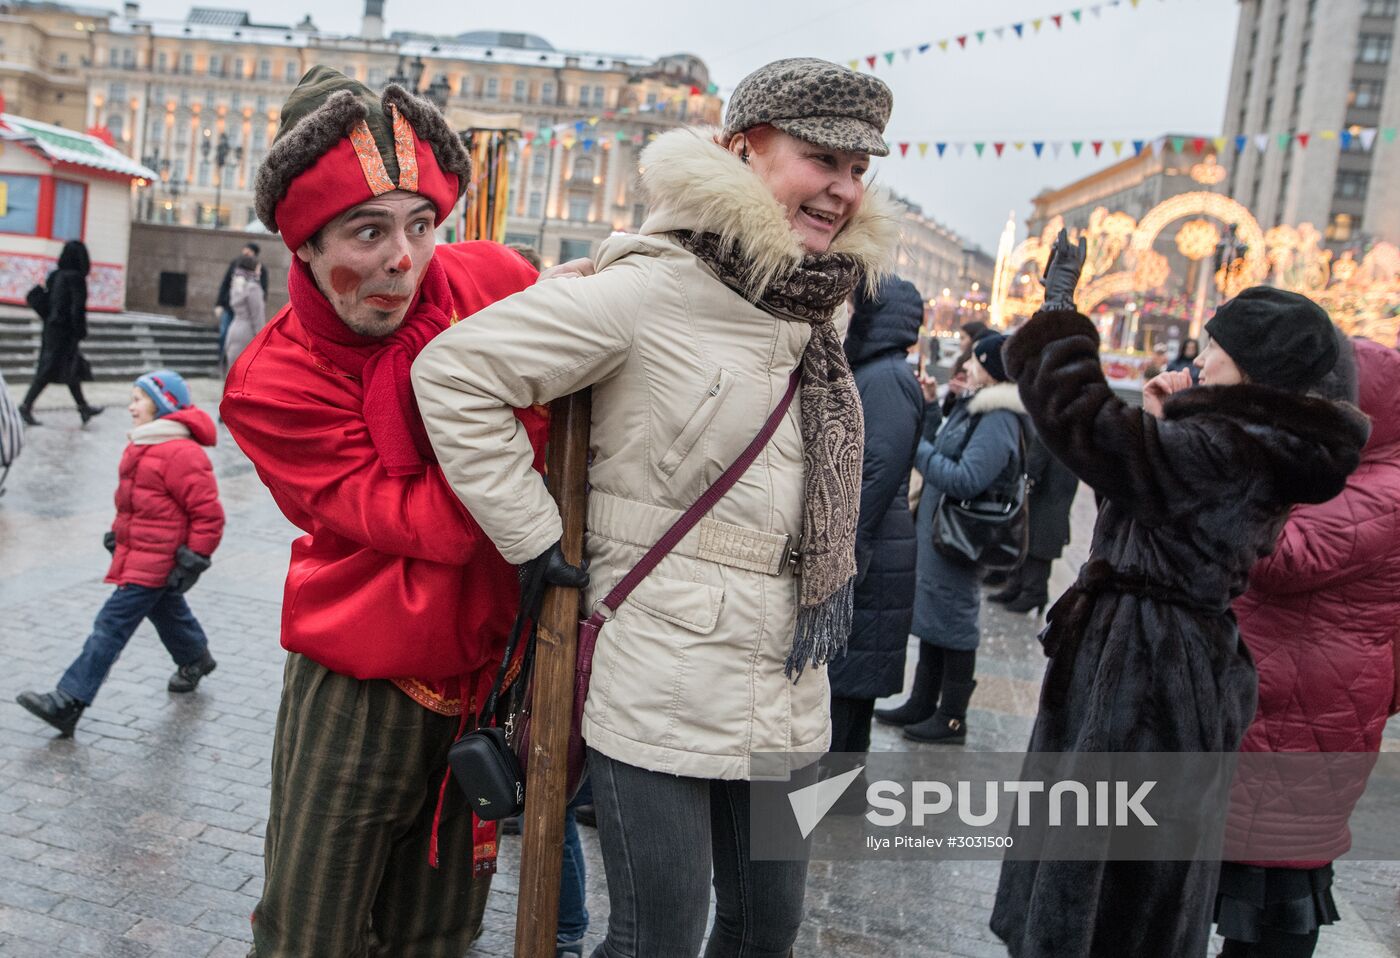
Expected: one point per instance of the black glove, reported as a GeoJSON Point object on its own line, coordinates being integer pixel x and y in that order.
{"type": "Point", "coordinates": [189, 565]}
{"type": "Point", "coordinates": [1062, 272]}
{"type": "Point", "coordinates": [109, 541]}
{"type": "Point", "coordinates": [546, 569]}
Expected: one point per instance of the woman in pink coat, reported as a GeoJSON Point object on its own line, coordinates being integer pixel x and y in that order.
{"type": "Point", "coordinates": [1321, 619]}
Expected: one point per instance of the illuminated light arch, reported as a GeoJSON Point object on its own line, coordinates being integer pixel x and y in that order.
{"type": "Point", "coordinates": [1104, 288]}
{"type": "Point", "coordinates": [1215, 205]}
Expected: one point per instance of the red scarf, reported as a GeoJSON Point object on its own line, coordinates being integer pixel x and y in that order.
{"type": "Point", "coordinates": [382, 364]}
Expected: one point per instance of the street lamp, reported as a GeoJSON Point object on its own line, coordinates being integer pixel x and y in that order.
{"type": "Point", "coordinates": [221, 154]}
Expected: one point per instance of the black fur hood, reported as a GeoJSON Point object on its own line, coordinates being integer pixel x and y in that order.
{"type": "Point", "coordinates": [1311, 444]}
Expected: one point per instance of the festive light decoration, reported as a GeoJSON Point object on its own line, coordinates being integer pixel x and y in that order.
{"type": "Point", "coordinates": [484, 217]}
{"type": "Point", "coordinates": [1197, 239]}
{"type": "Point", "coordinates": [1361, 295]}
{"type": "Point", "coordinates": [1018, 31]}
{"type": "Point", "coordinates": [1208, 172]}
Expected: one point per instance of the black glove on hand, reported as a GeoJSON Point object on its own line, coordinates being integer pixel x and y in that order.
{"type": "Point", "coordinates": [1062, 272]}
{"type": "Point", "coordinates": [189, 565]}
{"type": "Point", "coordinates": [109, 541]}
{"type": "Point", "coordinates": [546, 569]}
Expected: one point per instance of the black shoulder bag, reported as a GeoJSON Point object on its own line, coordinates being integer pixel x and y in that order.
{"type": "Point", "coordinates": [991, 529]}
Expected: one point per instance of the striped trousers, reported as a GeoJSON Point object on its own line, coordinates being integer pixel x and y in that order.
{"type": "Point", "coordinates": [356, 768]}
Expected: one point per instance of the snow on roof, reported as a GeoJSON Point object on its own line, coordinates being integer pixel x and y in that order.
{"type": "Point", "coordinates": [66, 146]}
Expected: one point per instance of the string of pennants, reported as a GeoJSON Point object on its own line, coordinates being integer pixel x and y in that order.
{"type": "Point", "coordinates": [1018, 31]}
{"type": "Point", "coordinates": [1365, 138]}
{"type": "Point", "coordinates": [584, 132]}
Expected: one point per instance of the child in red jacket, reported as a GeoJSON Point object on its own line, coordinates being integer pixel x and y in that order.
{"type": "Point", "coordinates": [168, 523]}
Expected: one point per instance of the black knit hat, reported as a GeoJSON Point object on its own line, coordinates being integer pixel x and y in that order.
{"type": "Point", "coordinates": [1276, 338]}
{"type": "Point", "coordinates": [987, 349]}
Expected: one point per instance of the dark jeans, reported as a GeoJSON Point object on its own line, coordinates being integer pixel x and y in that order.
{"type": "Point", "coordinates": [176, 625]}
{"type": "Point", "coordinates": [661, 835]}
{"type": "Point", "coordinates": [225, 321]}
{"type": "Point", "coordinates": [1272, 944]}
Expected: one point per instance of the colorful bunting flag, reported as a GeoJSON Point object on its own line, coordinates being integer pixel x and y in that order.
{"type": "Point", "coordinates": [889, 57]}
{"type": "Point", "coordinates": [1137, 147]}
{"type": "Point", "coordinates": [1199, 145]}
{"type": "Point", "coordinates": [1076, 145]}
{"type": "Point", "coordinates": [1097, 145]}
{"type": "Point", "coordinates": [1059, 20]}
{"type": "Point", "coordinates": [1038, 146]}
{"type": "Point", "coordinates": [1019, 28]}
{"type": "Point", "coordinates": [979, 147]}
{"type": "Point", "coordinates": [940, 147]}
{"type": "Point", "coordinates": [904, 149]}
{"type": "Point", "coordinates": [998, 147]}
{"type": "Point", "coordinates": [923, 150]}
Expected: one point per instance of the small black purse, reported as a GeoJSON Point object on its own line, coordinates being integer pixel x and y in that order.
{"type": "Point", "coordinates": [990, 530]}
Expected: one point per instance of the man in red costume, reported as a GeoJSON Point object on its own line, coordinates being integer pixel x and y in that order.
{"type": "Point", "coordinates": [396, 606]}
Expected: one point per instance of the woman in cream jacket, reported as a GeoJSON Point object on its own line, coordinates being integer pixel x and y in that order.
{"type": "Point", "coordinates": [688, 334]}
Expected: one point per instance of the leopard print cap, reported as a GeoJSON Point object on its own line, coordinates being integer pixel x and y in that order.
{"type": "Point", "coordinates": [814, 100]}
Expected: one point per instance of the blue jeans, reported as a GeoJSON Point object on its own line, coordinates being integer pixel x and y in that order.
{"type": "Point", "coordinates": [225, 321]}
{"type": "Point", "coordinates": [176, 625]}
{"type": "Point", "coordinates": [573, 878]}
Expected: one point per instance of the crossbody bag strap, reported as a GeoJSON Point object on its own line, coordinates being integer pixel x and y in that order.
{"type": "Point", "coordinates": [697, 511]}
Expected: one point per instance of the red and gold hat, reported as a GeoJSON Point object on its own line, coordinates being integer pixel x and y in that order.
{"type": "Point", "coordinates": [339, 145]}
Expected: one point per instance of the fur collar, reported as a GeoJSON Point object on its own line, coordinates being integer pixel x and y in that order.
{"type": "Point", "coordinates": [694, 184]}
{"type": "Point", "coordinates": [998, 396]}
{"type": "Point", "coordinates": [1312, 444]}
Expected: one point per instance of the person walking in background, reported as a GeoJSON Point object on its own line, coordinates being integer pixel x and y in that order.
{"type": "Point", "coordinates": [1053, 488]}
{"type": "Point", "coordinates": [882, 329]}
{"type": "Point", "coordinates": [968, 334]}
{"type": "Point", "coordinates": [1144, 653]}
{"type": "Point", "coordinates": [1321, 619]}
{"type": "Point", "coordinates": [978, 449]}
{"type": "Point", "coordinates": [224, 303]}
{"type": "Point", "coordinates": [1186, 357]}
{"type": "Point", "coordinates": [169, 522]}
{"type": "Point", "coordinates": [692, 333]}
{"type": "Point", "coordinates": [246, 299]}
{"type": "Point", "coordinates": [60, 361]}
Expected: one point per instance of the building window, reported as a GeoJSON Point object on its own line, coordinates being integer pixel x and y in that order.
{"type": "Point", "coordinates": [117, 92]}
{"type": "Point", "coordinates": [578, 211]}
{"type": "Point", "coordinates": [187, 63]}
{"type": "Point", "coordinates": [114, 57]}
{"type": "Point", "coordinates": [599, 96]}
{"type": "Point", "coordinates": [1342, 227]}
{"type": "Point", "coordinates": [291, 72]}
{"type": "Point", "coordinates": [238, 68]}
{"type": "Point", "coordinates": [216, 65]}
{"type": "Point", "coordinates": [536, 209]}
{"type": "Point", "coordinates": [129, 59]}
{"type": "Point", "coordinates": [546, 92]}
{"type": "Point", "coordinates": [264, 69]}
{"type": "Point", "coordinates": [1374, 48]}
{"type": "Point", "coordinates": [1366, 94]}
{"type": "Point", "coordinates": [1380, 8]}
{"type": "Point", "coordinates": [68, 203]}
{"type": "Point", "coordinates": [584, 92]}
{"type": "Point", "coordinates": [583, 168]}
{"type": "Point", "coordinates": [520, 91]}
{"type": "Point", "coordinates": [493, 88]}
{"type": "Point", "coordinates": [574, 249]}
{"type": "Point", "coordinates": [21, 208]}
{"type": "Point", "coordinates": [1352, 184]}
{"type": "Point", "coordinates": [537, 165]}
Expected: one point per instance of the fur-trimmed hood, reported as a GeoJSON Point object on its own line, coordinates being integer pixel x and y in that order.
{"type": "Point", "coordinates": [692, 183]}
{"type": "Point", "coordinates": [994, 397]}
{"type": "Point", "coordinates": [1311, 443]}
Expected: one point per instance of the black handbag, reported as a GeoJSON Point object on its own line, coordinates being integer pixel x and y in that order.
{"type": "Point", "coordinates": [991, 530]}
{"type": "Point", "coordinates": [38, 300]}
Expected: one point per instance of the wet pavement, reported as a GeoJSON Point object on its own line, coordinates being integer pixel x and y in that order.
{"type": "Point", "coordinates": [142, 836]}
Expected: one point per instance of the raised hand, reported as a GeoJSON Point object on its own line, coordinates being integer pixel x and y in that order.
{"type": "Point", "coordinates": [1062, 272]}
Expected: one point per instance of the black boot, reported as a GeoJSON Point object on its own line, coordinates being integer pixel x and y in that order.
{"type": "Point", "coordinates": [186, 677]}
{"type": "Point", "coordinates": [1012, 590]}
{"type": "Point", "coordinates": [87, 412]}
{"type": "Point", "coordinates": [923, 697]}
{"type": "Point", "coordinates": [27, 414]}
{"type": "Point", "coordinates": [1035, 586]}
{"type": "Point", "coordinates": [58, 708]}
{"type": "Point", "coordinates": [949, 724]}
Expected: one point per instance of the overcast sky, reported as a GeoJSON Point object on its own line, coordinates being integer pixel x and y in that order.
{"type": "Point", "coordinates": [1130, 73]}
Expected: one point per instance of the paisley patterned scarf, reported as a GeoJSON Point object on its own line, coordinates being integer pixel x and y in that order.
{"type": "Point", "coordinates": [833, 435]}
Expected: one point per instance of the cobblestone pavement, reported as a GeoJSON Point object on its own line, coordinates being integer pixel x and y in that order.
{"type": "Point", "coordinates": [143, 835]}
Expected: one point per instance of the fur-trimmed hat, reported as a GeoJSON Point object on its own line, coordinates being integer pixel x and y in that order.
{"type": "Point", "coordinates": [340, 145]}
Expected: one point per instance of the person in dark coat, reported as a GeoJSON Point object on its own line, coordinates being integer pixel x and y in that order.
{"type": "Point", "coordinates": [1052, 494]}
{"type": "Point", "coordinates": [1186, 358]}
{"type": "Point", "coordinates": [877, 344]}
{"type": "Point", "coordinates": [977, 449]}
{"type": "Point", "coordinates": [1320, 619]}
{"type": "Point", "coordinates": [968, 334]}
{"type": "Point", "coordinates": [64, 328]}
{"type": "Point", "coordinates": [1144, 653]}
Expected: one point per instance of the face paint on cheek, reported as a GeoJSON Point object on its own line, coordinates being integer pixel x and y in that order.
{"type": "Point", "coordinates": [344, 280]}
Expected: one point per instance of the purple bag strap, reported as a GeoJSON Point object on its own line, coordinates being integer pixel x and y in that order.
{"type": "Point", "coordinates": [697, 511]}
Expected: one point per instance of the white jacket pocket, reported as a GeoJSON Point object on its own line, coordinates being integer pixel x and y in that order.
{"type": "Point", "coordinates": [698, 422]}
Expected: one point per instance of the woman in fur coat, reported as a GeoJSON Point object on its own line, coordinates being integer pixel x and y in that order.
{"type": "Point", "coordinates": [977, 449]}
{"type": "Point", "coordinates": [1144, 653]}
{"type": "Point", "coordinates": [690, 334]}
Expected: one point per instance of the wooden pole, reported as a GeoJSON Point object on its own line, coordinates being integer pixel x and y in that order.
{"type": "Point", "coordinates": [542, 825]}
